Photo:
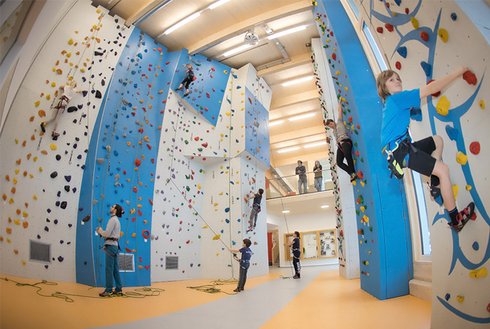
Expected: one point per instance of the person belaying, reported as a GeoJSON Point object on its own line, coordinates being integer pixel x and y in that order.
{"type": "Point", "coordinates": [295, 248]}
{"type": "Point", "coordinates": [244, 263]}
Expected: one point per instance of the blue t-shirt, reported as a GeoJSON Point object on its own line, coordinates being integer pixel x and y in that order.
{"type": "Point", "coordinates": [396, 114]}
{"type": "Point", "coordinates": [246, 255]}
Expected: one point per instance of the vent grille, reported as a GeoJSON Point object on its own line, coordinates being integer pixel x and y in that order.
{"type": "Point", "coordinates": [126, 262]}
{"type": "Point", "coordinates": [172, 263]}
{"type": "Point", "coordinates": [40, 251]}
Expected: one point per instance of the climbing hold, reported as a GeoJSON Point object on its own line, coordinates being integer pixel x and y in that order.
{"type": "Point", "coordinates": [481, 103]}
{"type": "Point", "coordinates": [145, 234]}
{"type": "Point", "coordinates": [443, 34]}
{"type": "Point", "coordinates": [470, 78]}
{"type": "Point", "coordinates": [54, 174]}
{"type": "Point", "coordinates": [415, 22]}
{"type": "Point", "coordinates": [86, 218]}
{"type": "Point", "coordinates": [398, 65]}
{"type": "Point", "coordinates": [402, 51]}
{"type": "Point", "coordinates": [424, 36]}
{"type": "Point", "coordinates": [455, 191]}
{"type": "Point", "coordinates": [137, 162]}
{"type": "Point", "coordinates": [379, 29]}
{"type": "Point", "coordinates": [416, 114]}
{"type": "Point", "coordinates": [475, 148]}
{"type": "Point", "coordinates": [479, 273]}
{"type": "Point", "coordinates": [461, 158]}
{"type": "Point", "coordinates": [468, 187]}
{"type": "Point", "coordinates": [53, 147]}
{"type": "Point", "coordinates": [460, 299]}
{"type": "Point", "coordinates": [454, 16]}
{"type": "Point", "coordinates": [475, 246]}
{"type": "Point", "coordinates": [427, 68]}
{"type": "Point", "coordinates": [442, 106]}
{"type": "Point", "coordinates": [389, 27]}
{"type": "Point", "coordinates": [217, 237]}
{"type": "Point", "coordinates": [434, 94]}
{"type": "Point", "coordinates": [398, 2]}
{"type": "Point", "coordinates": [452, 133]}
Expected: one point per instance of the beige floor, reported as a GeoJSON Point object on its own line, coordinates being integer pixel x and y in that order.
{"type": "Point", "coordinates": [328, 302]}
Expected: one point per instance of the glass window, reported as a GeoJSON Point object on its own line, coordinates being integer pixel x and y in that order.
{"type": "Point", "coordinates": [374, 47]}
{"type": "Point", "coordinates": [354, 8]}
{"type": "Point", "coordinates": [422, 211]}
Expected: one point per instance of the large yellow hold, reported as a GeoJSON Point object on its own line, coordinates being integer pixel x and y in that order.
{"type": "Point", "coordinates": [443, 105]}
{"type": "Point", "coordinates": [443, 34]}
{"type": "Point", "coordinates": [461, 158]}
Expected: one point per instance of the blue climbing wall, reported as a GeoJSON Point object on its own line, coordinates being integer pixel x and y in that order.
{"type": "Point", "coordinates": [256, 129]}
{"type": "Point", "coordinates": [382, 219]}
{"type": "Point", "coordinates": [121, 165]}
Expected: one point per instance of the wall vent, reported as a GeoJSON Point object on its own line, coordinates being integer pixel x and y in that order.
{"type": "Point", "coordinates": [126, 262]}
{"type": "Point", "coordinates": [172, 263]}
{"type": "Point", "coordinates": [39, 251]}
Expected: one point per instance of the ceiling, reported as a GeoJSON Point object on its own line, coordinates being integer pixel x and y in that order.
{"type": "Point", "coordinates": [218, 30]}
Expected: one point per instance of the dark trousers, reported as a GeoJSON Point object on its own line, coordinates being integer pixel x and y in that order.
{"type": "Point", "coordinates": [344, 151]}
{"type": "Point", "coordinates": [243, 276]}
{"type": "Point", "coordinates": [296, 264]}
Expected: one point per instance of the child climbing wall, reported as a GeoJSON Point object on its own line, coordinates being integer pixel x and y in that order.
{"type": "Point", "coordinates": [40, 177]}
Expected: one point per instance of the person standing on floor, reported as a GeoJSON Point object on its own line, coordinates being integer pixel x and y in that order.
{"type": "Point", "coordinates": [423, 156]}
{"type": "Point", "coordinates": [344, 145]}
{"type": "Point", "coordinates": [317, 169]}
{"type": "Point", "coordinates": [255, 210]}
{"type": "Point", "coordinates": [295, 248]}
{"type": "Point", "coordinates": [111, 248]}
{"type": "Point", "coordinates": [244, 263]}
{"type": "Point", "coordinates": [302, 180]}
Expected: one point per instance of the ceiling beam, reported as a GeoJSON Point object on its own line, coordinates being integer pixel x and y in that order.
{"type": "Point", "coordinates": [147, 10]}
{"type": "Point", "coordinates": [293, 62]}
{"type": "Point", "coordinates": [247, 24]}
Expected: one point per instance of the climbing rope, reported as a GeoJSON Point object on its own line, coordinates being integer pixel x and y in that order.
{"type": "Point", "coordinates": [211, 287]}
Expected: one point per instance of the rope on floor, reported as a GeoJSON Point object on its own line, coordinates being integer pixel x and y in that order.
{"type": "Point", "coordinates": [211, 287]}
{"type": "Point", "coordinates": [67, 297]}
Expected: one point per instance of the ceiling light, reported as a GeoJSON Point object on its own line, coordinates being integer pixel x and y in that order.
{"type": "Point", "coordinates": [296, 81]}
{"type": "Point", "coordinates": [325, 206]}
{"type": "Point", "coordinates": [302, 116]}
{"type": "Point", "coordinates": [236, 50]}
{"type": "Point", "coordinates": [288, 149]}
{"type": "Point", "coordinates": [181, 23]}
{"type": "Point", "coordinates": [286, 32]}
{"type": "Point", "coordinates": [217, 4]}
{"type": "Point", "coordinates": [275, 123]}
{"type": "Point", "coordinates": [320, 143]}
{"type": "Point", "coordinates": [286, 211]}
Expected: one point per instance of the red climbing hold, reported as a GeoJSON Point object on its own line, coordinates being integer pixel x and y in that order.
{"type": "Point", "coordinates": [379, 29]}
{"type": "Point", "coordinates": [437, 94]}
{"type": "Point", "coordinates": [360, 174]}
{"type": "Point", "coordinates": [475, 148]}
{"type": "Point", "coordinates": [470, 77]}
{"type": "Point", "coordinates": [398, 65]}
{"type": "Point", "coordinates": [334, 56]}
{"type": "Point", "coordinates": [407, 11]}
{"type": "Point", "coordinates": [196, 138]}
{"type": "Point", "coordinates": [424, 36]}
{"type": "Point", "coordinates": [137, 162]}
{"type": "Point", "coordinates": [389, 27]}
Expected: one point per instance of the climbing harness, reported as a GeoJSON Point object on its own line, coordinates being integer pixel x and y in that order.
{"type": "Point", "coordinates": [397, 155]}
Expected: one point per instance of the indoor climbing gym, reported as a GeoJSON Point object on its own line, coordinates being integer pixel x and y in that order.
{"type": "Point", "coordinates": [232, 164]}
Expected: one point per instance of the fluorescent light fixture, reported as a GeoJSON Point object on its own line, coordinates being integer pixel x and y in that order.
{"type": "Point", "coordinates": [325, 206]}
{"type": "Point", "coordinates": [286, 32]}
{"type": "Point", "coordinates": [288, 149]}
{"type": "Point", "coordinates": [217, 4]}
{"type": "Point", "coordinates": [320, 143]}
{"type": "Point", "coordinates": [275, 123]}
{"type": "Point", "coordinates": [236, 50]}
{"type": "Point", "coordinates": [296, 81]}
{"type": "Point", "coordinates": [182, 23]}
{"type": "Point", "coordinates": [286, 211]}
{"type": "Point", "coordinates": [302, 116]}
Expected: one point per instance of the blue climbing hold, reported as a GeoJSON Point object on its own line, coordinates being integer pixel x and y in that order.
{"type": "Point", "coordinates": [452, 133]}
{"type": "Point", "coordinates": [398, 2]}
{"type": "Point", "coordinates": [427, 68]}
{"type": "Point", "coordinates": [454, 16]}
{"type": "Point", "coordinates": [447, 297]}
{"type": "Point", "coordinates": [402, 51]}
{"type": "Point", "coordinates": [416, 114]}
{"type": "Point", "coordinates": [475, 246]}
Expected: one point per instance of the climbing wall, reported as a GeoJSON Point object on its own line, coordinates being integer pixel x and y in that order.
{"type": "Point", "coordinates": [383, 232]}
{"type": "Point", "coordinates": [122, 161]}
{"type": "Point", "coordinates": [424, 40]}
{"type": "Point", "coordinates": [41, 177]}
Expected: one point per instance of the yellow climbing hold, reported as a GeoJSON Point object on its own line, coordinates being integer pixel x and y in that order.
{"type": "Point", "coordinates": [362, 208]}
{"type": "Point", "coordinates": [468, 187]}
{"type": "Point", "coordinates": [36, 103]}
{"type": "Point", "coordinates": [70, 41]}
{"type": "Point", "coordinates": [455, 190]}
{"type": "Point", "coordinates": [228, 113]}
{"type": "Point", "coordinates": [53, 147]}
{"type": "Point", "coordinates": [217, 237]}
{"type": "Point", "coordinates": [479, 273]}
{"type": "Point", "coordinates": [415, 22]}
{"type": "Point", "coordinates": [442, 106]}
{"type": "Point", "coordinates": [133, 235]}
{"type": "Point", "coordinates": [443, 34]}
{"type": "Point", "coordinates": [481, 103]}
{"type": "Point", "coordinates": [460, 299]}
{"type": "Point", "coordinates": [461, 158]}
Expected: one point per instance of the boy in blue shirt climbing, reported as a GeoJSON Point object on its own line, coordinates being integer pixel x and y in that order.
{"type": "Point", "coordinates": [424, 156]}
{"type": "Point", "coordinates": [244, 263]}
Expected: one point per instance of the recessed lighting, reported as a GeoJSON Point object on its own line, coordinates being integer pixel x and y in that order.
{"type": "Point", "coordinates": [302, 116]}
{"type": "Point", "coordinates": [275, 123]}
{"type": "Point", "coordinates": [288, 149]}
{"type": "Point", "coordinates": [297, 81]}
{"type": "Point", "coordinates": [286, 32]}
{"type": "Point", "coordinates": [286, 211]}
{"type": "Point", "coordinates": [320, 143]}
{"type": "Point", "coordinates": [325, 206]}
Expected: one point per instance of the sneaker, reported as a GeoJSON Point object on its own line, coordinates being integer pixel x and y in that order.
{"type": "Point", "coordinates": [296, 276]}
{"type": "Point", "coordinates": [105, 294]}
{"type": "Point", "coordinates": [237, 290]}
{"type": "Point", "coordinates": [463, 217]}
{"type": "Point", "coordinates": [117, 293]}
{"type": "Point", "coordinates": [55, 136]}
{"type": "Point", "coordinates": [186, 93]}
{"type": "Point", "coordinates": [43, 126]}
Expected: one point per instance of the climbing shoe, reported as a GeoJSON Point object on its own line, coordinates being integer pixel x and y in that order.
{"type": "Point", "coordinates": [105, 294]}
{"type": "Point", "coordinates": [43, 126]}
{"type": "Point", "coordinates": [435, 194]}
{"type": "Point", "coordinates": [463, 217]}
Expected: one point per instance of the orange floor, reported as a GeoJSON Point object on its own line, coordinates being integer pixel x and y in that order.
{"type": "Point", "coordinates": [327, 302]}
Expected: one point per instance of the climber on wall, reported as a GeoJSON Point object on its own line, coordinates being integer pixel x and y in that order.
{"type": "Point", "coordinates": [189, 78]}
{"type": "Point", "coordinates": [344, 145]}
{"type": "Point", "coordinates": [67, 92]}
{"type": "Point", "coordinates": [424, 156]}
{"type": "Point", "coordinates": [255, 210]}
